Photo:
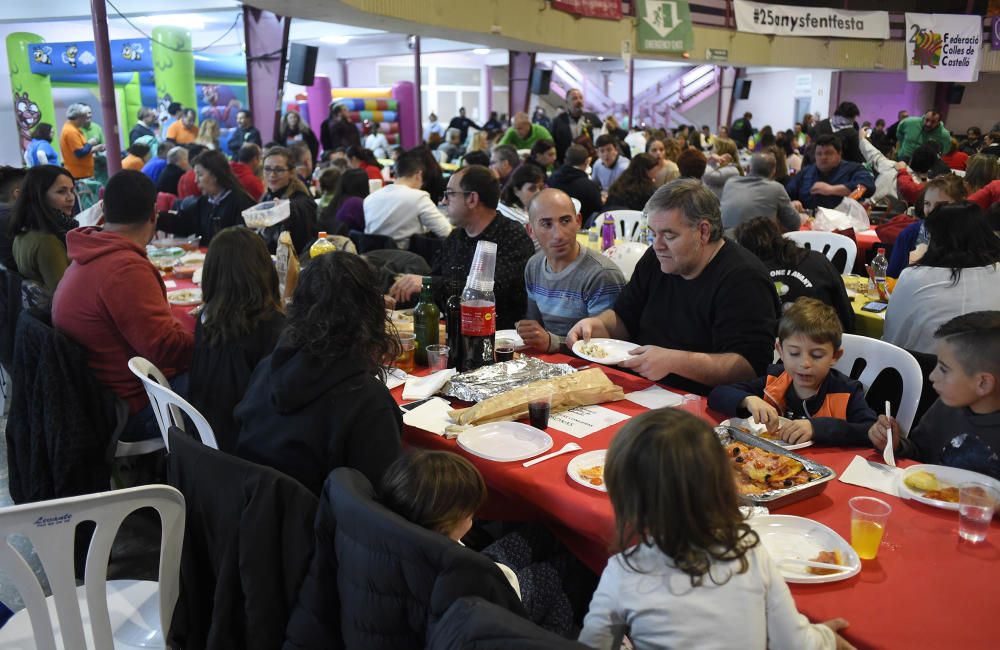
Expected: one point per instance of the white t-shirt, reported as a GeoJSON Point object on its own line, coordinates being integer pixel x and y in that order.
{"type": "Point", "coordinates": [400, 212]}
{"type": "Point", "coordinates": [660, 609]}
{"type": "Point", "coordinates": [924, 299]}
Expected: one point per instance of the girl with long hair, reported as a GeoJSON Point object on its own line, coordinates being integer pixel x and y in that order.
{"type": "Point", "coordinates": [283, 184]}
{"type": "Point", "coordinates": [543, 155]}
{"type": "Point", "coordinates": [666, 168]}
{"type": "Point", "coordinates": [361, 158]}
{"type": "Point", "coordinates": [208, 134]}
{"type": "Point", "coordinates": [524, 184]}
{"type": "Point", "coordinates": [958, 274]}
{"type": "Point", "coordinates": [294, 129]}
{"type": "Point", "coordinates": [238, 326]}
{"type": "Point", "coordinates": [690, 570]}
{"type": "Point", "coordinates": [723, 164]}
{"type": "Point", "coordinates": [39, 221]}
{"type": "Point", "coordinates": [633, 188]}
{"type": "Point", "coordinates": [318, 402]}
{"type": "Point", "coordinates": [220, 205]}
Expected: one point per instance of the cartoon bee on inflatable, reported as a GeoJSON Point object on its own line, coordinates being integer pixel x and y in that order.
{"type": "Point", "coordinates": [41, 54]}
{"type": "Point", "coordinates": [69, 56]}
{"type": "Point", "coordinates": [132, 51]}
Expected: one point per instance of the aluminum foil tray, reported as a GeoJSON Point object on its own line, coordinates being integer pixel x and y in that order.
{"type": "Point", "coordinates": [489, 381]}
{"type": "Point", "coordinates": [778, 498]}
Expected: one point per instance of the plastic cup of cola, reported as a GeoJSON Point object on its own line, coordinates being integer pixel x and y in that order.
{"type": "Point", "coordinates": [539, 409]}
{"type": "Point", "coordinates": [437, 357]}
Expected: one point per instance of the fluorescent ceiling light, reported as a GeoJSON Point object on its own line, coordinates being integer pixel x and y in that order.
{"type": "Point", "coordinates": [336, 39]}
{"type": "Point", "coordinates": [482, 51]}
{"type": "Point", "coordinates": [191, 21]}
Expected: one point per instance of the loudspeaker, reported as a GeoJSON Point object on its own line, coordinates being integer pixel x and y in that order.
{"type": "Point", "coordinates": [302, 64]}
{"type": "Point", "coordinates": [540, 80]}
{"type": "Point", "coordinates": [955, 94]}
{"type": "Point", "coordinates": [741, 89]}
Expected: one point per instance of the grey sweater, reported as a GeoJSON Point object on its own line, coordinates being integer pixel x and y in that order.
{"type": "Point", "coordinates": [746, 197]}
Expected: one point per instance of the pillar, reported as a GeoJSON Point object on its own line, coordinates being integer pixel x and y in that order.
{"type": "Point", "coordinates": [174, 69]}
{"type": "Point", "coordinates": [266, 37]}
{"type": "Point", "coordinates": [318, 99]}
{"type": "Point", "coordinates": [520, 67]}
{"type": "Point", "coordinates": [32, 93]}
{"type": "Point", "coordinates": [106, 85]}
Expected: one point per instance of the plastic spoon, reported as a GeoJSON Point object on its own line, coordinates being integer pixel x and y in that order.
{"type": "Point", "coordinates": [568, 447]}
{"type": "Point", "coordinates": [814, 564]}
{"type": "Point", "coordinates": [887, 454]}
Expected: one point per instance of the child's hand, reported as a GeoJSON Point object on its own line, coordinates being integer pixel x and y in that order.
{"type": "Point", "coordinates": [879, 432]}
{"type": "Point", "coordinates": [838, 624]}
{"type": "Point", "coordinates": [797, 431]}
{"type": "Point", "coordinates": [762, 412]}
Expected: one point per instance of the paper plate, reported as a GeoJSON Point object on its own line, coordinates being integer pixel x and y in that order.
{"type": "Point", "coordinates": [504, 441]}
{"type": "Point", "coordinates": [741, 423]}
{"type": "Point", "coordinates": [510, 335]}
{"type": "Point", "coordinates": [585, 461]}
{"type": "Point", "coordinates": [798, 538]}
{"type": "Point", "coordinates": [948, 477]}
{"type": "Point", "coordinates": [616, 350]}
{"type": "Point", "coordinates": [184, 297]}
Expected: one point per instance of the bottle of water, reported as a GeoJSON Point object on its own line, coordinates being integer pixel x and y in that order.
{"type": "Point", "coordinates": [608, 231]}
{"type": "Point", "coordinates": [879, 267]}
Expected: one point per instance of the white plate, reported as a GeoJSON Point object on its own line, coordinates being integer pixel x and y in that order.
{"type": "Point", "coordinates": [950, 476]}
{"type": "Point", "coordinates": [741, 423]}
{"type": "Point", "coordinates": [510, 335]}
{"type": "Point", "coordinates": [505, 441]}
{"type": "Point", "coordinates": [798, 538]}
{"type": "Point", "coordinates": [184, 297]}
{"type": "Point", "coordinates": [585, 461]}
{"type": "Point", "coordinates": [617, 350]}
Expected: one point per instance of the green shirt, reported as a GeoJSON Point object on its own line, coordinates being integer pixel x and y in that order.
{"type": "Point", "coordinates": [41, 257]}
{"type": "Point", "coordinates": [910, 134]}
{"type": "Point", "coordinates": [538, 132]}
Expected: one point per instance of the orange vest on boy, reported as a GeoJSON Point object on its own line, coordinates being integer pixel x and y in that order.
{"type": "Point", "coordinates": [834, 404]}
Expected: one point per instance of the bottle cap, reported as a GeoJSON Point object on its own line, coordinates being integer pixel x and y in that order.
{"type": "Point", "coordinates": [322, 235]}
{"type": "Point", "coordinates": [881, 251]}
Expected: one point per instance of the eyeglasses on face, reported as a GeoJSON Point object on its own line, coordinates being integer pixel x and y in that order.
{"type": "Point", "coordinates": [450, 193]}
{"type": "Point", "coordinates": [275, 170]}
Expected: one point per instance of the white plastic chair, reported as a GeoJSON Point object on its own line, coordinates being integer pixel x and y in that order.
{"type": "Point", "coordinates": [628, 224]}
{"type": "Point", "coordinates": [878, 356]}
{"type": "Point", "coordinates": [827, 243]}
{"type": "Point", "coordinates": [168, 405]}
{"type": "Point", "coordinates": [626, 255]}
{"type": "Point", "coordinates": [119, 613]}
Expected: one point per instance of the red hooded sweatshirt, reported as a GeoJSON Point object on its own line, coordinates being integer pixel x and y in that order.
{"type": "Point", "coordinates": [112, 301]}
{"type": "Point", "coordinates": [244, 174]}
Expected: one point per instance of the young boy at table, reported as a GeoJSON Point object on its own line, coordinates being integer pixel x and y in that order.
{"type": "Point", "coordinates": [823, 404]}
{"type": "Point", "coordinates": [962, 428]}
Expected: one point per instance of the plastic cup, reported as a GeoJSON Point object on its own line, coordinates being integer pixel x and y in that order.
{"type": "Point", "coordinates": [976, 503]}
{"type": "Point", "coordinates": [437, 357]}
{"type": "Point", "coordinates": [539, 408]}
{"type": "Point", "coordinates": [504, 350]}
{"type": "Point", "coordinates": [869, 517]}
{"type": "Point", "coordinates": [407, 343]}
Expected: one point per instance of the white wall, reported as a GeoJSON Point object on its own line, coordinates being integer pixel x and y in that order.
{"type": "Point", "coordinates": [884, 94]}
{"type": "Point", "coordinates": [773, 93]}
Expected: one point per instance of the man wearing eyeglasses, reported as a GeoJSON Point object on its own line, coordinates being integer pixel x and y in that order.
{"type": "Point", "coordinates": [472, 196]}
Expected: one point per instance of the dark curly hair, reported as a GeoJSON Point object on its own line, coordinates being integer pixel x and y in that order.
{"type": "Point", "coordinates": [337, 309]}
{"type": "Point", "coordinates": [671, 486]}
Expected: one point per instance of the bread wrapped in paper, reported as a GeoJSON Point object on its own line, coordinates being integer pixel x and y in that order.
{"type": "Point", "coordinates": [287, 266]}
{"type": "Point", "coordinates": [582, 388]}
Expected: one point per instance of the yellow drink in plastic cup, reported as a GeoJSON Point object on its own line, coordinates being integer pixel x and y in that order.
{"type": "Point", "coordinates": [868, 520]}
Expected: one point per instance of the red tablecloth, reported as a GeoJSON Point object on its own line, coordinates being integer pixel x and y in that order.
{"type": "Point", "coordinates": [926, 589]}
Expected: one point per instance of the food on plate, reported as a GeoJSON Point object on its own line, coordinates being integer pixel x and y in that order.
{"type": "Point", "coordinates": [593, 475]}
{"type": "Point", "coordinates": [759, 471]}
{"type": "Point", "coordinates": [755, 428]}
{"type": "Point", "coordinates": [826, 557]}
{"type": "Point", "coordinates": [184, 296]}
{"type": "Point", "coordinates": [921, 480]}
{"type": "Point", "coordinates": [182, 272]}
{"type": "Point", "coordinates": [594, 350]}
{"type": "Point", "coordinates": [949, 494]}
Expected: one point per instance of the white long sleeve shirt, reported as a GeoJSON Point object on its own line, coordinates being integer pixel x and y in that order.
{"type": "Point", "coordinates": [400, 212]}
{"type": "Point", "coordinates": [660, 609]}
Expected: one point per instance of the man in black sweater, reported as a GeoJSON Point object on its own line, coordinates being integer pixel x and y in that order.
{"type": "Point", "coordinates": [472, 198]}
{"type": "Point", "coordinates": [575, 125]}
{"type": "Point", "coordinates": [572, 178]}
{"type": "Point", "coordinates": [147, 118]}
{"type": "Point", "coordinates": [702, 308]}
{"type": "Point", "coordinates": [462, 123]}
{"type": "Point", "coordinates": [337, 131]}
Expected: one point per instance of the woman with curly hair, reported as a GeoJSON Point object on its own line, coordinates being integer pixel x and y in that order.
{"type": "Point", "coordinates": [319, 402]}
{"type": "Point", "coordinates": [208, 134]}
{"type": "Point", "coordinates": [633, 188]}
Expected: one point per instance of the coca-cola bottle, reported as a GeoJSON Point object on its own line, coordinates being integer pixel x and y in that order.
{"type": "Point", "coordinates": [479, 311]}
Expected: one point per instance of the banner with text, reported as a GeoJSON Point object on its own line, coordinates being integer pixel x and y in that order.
{"type": "Point", "coordinates": [607, 9]}
{"type": "Point", "coordinates": [785, 20]}
{"type": "Point", "coordinates": [663, 26]}
{"type": "Point", "coordinates": [943, 47]}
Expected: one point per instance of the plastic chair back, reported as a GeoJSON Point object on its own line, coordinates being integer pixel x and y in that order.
{"type": "Point", "coordinates": [51, 525]}
{"type": "Point", "coordinates": [827, 243]}
{"type": "Point", "coordinates": [168, 406]}
{"type": "Point", "coordinates": [626, 256]}
{"type": "Point", "coordinates": [878, 356]}
{"type": "Point", "coordinates": [628, 224]}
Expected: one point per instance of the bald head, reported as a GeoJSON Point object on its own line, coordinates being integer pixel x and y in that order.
{"type": "Point", "coordinates": [554, 222]}
{"type": "Point", "coordinates": [550, 202]}
{"type": "Point", "coordinates": [522, 124]}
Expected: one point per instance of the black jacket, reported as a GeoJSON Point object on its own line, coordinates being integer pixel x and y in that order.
{"type": "Point", "coordinates": [6, 241]}
{"type": "Point", "coordinates": [334, 133]}
{"type": "Point", "coordinates": [205, 218]}
{"type": "Point", "coordinates": [475, 624]}
{"type": "Point", "coordinates": [220, 374]}
{"type": "Point", "coordinates": [247, 546]}
{"type": "Point", "coordinates": [169, 177]}
{"type": "Point", "coordinates": [61, 419]}
{"type": "Point", "coordinates": [379, 582]}
{"type": "Point", "coordinates": [579, 186]}
{"type": "Point", "coordinates": [305, 416]}
{"type": "Point", "coordinates": [242, 136]}
{"type": "Point", "coordinates": [849, 140]}
{"type": "Point", "coordinates": [301, 223]}
{"type": "Point", "coordinates": [138, 131]}
{"type": "Point", "coordinates": [563, 134]}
